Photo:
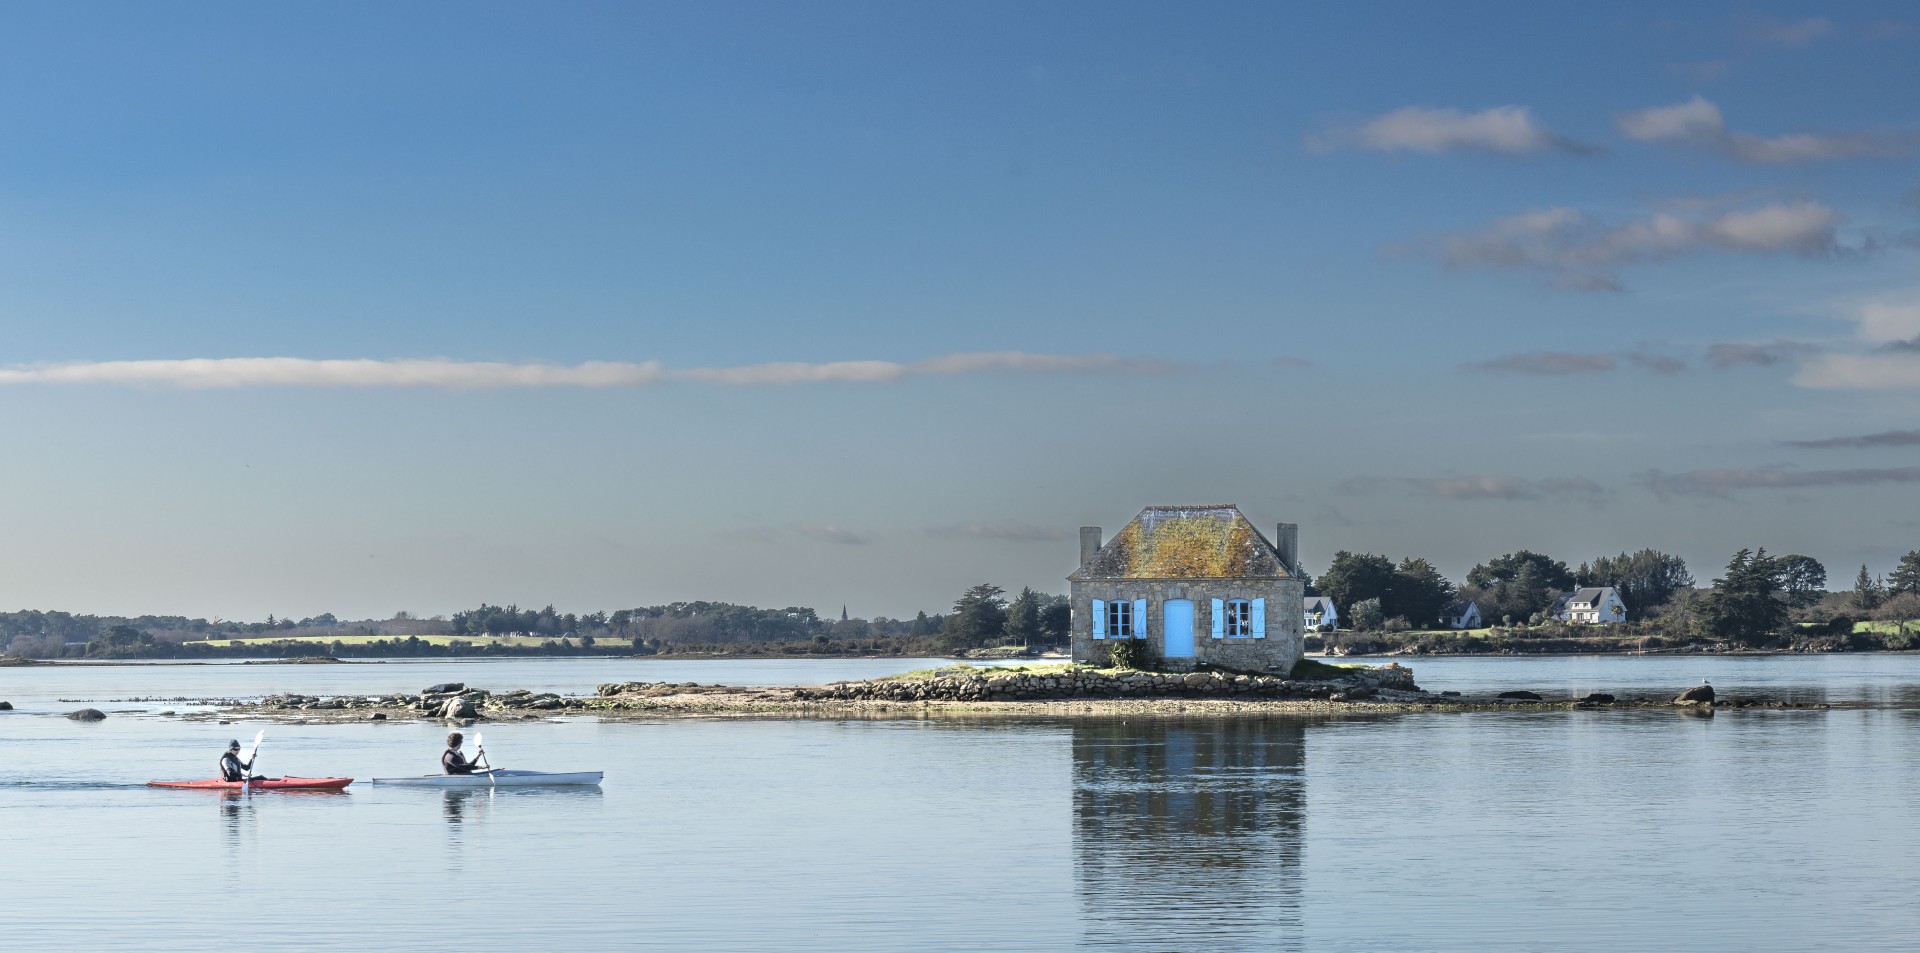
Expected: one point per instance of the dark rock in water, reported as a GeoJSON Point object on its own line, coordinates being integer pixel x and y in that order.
{"type": "Point", "coordinates": [1598, 698]}
{"type": "Point", "coordinates": [88, 714]}
{"type": "Point", "coordinates": [1451, 694]}
{"type": "Point", "coordinates": [1523, 695]}
{"type": "Point", "coordinates": [444, 688]}
{"type": "Point", "coordinates": [1359, 692]}
{"type": "Point", "coordinates": [377, 716]}
{"type": "Point", "coordinates": [1697, 695]}
{"type": "Point", "coordinates": [6, 706]}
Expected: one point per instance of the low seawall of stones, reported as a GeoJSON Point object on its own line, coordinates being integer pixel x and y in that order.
{"type": "Point", "coordinates": [451, 701]}
{"type": "Point", "coordinates": [985, 685]}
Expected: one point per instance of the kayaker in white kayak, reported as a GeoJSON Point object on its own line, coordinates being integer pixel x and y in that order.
{"type": "Point", "coordinates": [451, 760]}
{"type": "Point", "coordinates": [231, 767]}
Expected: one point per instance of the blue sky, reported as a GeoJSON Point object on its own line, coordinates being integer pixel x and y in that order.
{"type": "Point", "coordinates": [614, 304]}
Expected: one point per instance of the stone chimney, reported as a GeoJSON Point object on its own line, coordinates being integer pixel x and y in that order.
{"type": "Point", "coordinates": [1286, 539]}
{"type": "Point", "coordinates": [1089, 543]}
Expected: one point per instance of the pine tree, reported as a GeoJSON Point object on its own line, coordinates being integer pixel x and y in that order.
{"type": "Point", "coordinates": [1746, 601]}
{"type": "Point", "coordinates": [1023, 617]}
{"type": "Point", "coordinates": [1905, 577]}
{"type": "Point", "coordinates": [1867, 591]}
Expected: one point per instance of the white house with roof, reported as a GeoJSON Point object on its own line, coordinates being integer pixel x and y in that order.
{"type": "Point", "coordinates": [1464, 614]}
{"type": "Point", "coordinates": [1594, 605]}
{"type": "Point", "coordinates": [1319, 611]}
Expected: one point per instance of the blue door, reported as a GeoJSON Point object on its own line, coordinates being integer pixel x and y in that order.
{"type": "Point", "coordinates": [1176, 616]}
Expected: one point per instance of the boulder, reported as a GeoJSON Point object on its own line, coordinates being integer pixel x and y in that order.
{"type": "Point", "coordinates": [444, 688]}
{"type": "Point", "coordinates": [6, 706]}
{"type": "Point", "coordinates": [1598, 698]}
{"type": "Point", "coordinates": [1522, 695]}
{"type": "Point", "coordinates": [458, 706]}
{"type": "Point", "coordinates": [1697, 695]}
{"type": "Point", "coordinates": [377, 716]}
{"type": "Point", "coordinates": [87, 714]}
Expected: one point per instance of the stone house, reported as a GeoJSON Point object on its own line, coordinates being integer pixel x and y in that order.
{"type": "Point", "coordinates": [1199, 584]}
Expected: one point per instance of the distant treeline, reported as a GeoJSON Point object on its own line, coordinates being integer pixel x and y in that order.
{"type": "Point", "coordinates": [1760, 600]}
{"type": "Point", "coordinates": [981, 618]}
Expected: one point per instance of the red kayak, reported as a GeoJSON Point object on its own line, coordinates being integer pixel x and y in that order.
{"type": "Point", "coordinates": [262, 784]}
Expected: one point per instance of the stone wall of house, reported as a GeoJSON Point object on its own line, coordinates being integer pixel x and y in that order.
{"type": "Point", "coordinates": [1274, 654]}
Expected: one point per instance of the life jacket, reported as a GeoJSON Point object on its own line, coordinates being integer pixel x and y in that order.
{"type": "Point", "coordinates": [231, 769]}
{"type": "Point", "coordinates": [453, 762]}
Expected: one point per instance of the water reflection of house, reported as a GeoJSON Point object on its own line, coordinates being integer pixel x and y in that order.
{"type": "Point", "coordinates": [1189, 833]}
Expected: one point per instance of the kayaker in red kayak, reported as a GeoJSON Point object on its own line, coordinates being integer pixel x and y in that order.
{"type": "Point", "coordinates": [451, 760]}
{"type": "Point", "coordinates": [231, 767]}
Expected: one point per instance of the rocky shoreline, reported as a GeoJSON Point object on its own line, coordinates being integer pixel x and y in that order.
{"type": "Point", "coordinates": [1066, 692]}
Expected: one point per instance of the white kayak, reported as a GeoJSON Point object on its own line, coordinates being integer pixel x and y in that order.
{"type": "Point", "coordinates": [499, 778]}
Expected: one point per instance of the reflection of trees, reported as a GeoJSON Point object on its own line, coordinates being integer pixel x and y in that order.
{"type": "Point", "coordinates": [1187, 834]}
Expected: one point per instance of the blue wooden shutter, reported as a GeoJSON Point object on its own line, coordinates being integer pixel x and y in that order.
{"type": "Point", "coordinates": [1259, 618]}
{"type": "Point", "coordinates": [1219, 619]}
{"type": "Point", "coordinates": [1099, 619]}
{"type": "Point", "coordinates": [1139, 618]}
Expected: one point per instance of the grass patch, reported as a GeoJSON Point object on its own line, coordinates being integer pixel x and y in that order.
{"type": "Point", "coordinates": [962, 670]}
{"type": "Point", "coordinates": [1885, 628]}
{"type": "Point", "coordinates": [1314, 670]}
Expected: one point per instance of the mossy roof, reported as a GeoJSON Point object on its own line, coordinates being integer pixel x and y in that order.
{"type": "Point", "coordinates": [1186, 542]}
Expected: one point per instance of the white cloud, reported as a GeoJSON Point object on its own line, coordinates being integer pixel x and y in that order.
{"type": "Point", "coordinates": [1694, 117]}
{"type": "Point", "coordinates": [1699, 123]}
{"type": "Point", "coordinates": [1579, 252]}
{"type": "Point", "coordinates": [1893, 325]}
{"type": "Point", "coordinates": [792, 372]}
{"type": "Point", "coordinates": [835, 533]}
{"type": "Point", "coordinates": [1884, 371]}
{"type": "Point", "coordinates": [232, 372]}
{"type": "Point", "coordinates": [1504, 130]}
{"type": "Point", "coordinates": [1887, 321]}
{"type": "Point", "coordinates": [209, 373]}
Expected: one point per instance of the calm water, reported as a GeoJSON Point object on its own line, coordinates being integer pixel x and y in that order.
{"type": "Point", "coordinates": [1759, 830]}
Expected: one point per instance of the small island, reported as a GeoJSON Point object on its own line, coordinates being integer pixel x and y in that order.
{"type": "Point", "coordinates": [965, 691]}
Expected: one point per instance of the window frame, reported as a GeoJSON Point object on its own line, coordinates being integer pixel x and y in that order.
{"type": "Point", "coordinates": [1120, 624]}
{"type": "Point", "coordinates": [1239, 618]}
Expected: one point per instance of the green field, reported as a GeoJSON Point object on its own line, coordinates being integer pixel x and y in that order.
{"type": "Point", "coordinates": [1884, 628]}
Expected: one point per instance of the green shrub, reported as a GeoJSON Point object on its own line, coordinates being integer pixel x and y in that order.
{"type": "Point", "coordinates": [1132, 653]}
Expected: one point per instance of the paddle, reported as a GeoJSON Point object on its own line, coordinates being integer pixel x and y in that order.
{"type": "Point", "coordinates": [246, 783]}
{"type": "Point", "coordinates": [480, 752]}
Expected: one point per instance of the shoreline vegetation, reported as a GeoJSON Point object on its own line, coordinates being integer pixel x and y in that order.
{"type": "Point", "coordinates": [1762, 603]}
{"type": "Point", "coordinates": [963, 691]}
{"type": "Point", "coordinates": [1545, 639]}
